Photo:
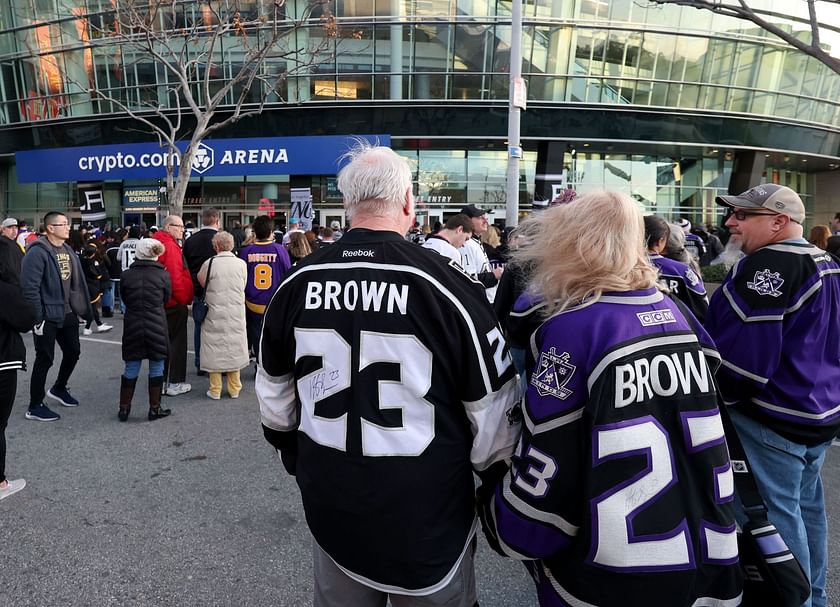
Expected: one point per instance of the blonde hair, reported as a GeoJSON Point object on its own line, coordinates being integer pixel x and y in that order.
{"type": "Point", "coordinates": [491, 237]}
{"type": "Point", "coordinates": [583, 249]}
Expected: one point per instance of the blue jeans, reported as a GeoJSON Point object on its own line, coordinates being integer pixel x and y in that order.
{"type": "Point", "coordinates": [788, 477]}
{"type": "Point", "coordinates": [132, 368]}
{"type": "Point", "coordinates": [108, 296]}
{"type": "Point", "coordinates": [115, 288]}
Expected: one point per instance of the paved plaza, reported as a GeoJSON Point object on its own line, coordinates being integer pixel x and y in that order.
{"type": "Point", "coordinates": [194, 509]}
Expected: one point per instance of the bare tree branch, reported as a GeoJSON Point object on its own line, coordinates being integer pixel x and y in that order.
{"type": "Point", "coordinates": [743, 11]}
{"type": "Point", "coordinates": [191, 41]}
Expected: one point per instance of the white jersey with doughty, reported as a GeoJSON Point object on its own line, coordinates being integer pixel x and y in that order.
{"type": "Point", "coordinates": [384, 381]}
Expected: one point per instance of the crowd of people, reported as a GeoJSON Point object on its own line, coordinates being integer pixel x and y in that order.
{"type": "Point", "coordinates": [576, 366]}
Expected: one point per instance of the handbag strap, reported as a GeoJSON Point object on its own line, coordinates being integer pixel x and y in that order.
{"type": "Point", "coordinates": [207, 279]}
{"type": "Point", "coordinates": [741, 471]}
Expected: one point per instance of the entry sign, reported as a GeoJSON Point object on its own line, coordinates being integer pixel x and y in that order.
{"type": "Point", "coordinates": [212, 158]}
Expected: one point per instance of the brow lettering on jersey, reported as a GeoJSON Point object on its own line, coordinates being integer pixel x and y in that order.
{"type": "Point", "coordinates": [262, 257]}
{"type": "Point", "coordinates": [663, 375]}
{"type": "Point", "coordinates": [369, 296]}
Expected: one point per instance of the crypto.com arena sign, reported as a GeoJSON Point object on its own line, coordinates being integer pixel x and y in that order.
{"type": "Point", "coordinates": [213, 158]}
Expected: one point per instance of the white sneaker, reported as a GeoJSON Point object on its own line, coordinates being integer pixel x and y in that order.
{"type": "Point", "coordinates": [176, 389]}
{"type": "Point", "coordinates": [87, 331]}
{"type": "Point", "coordinates": [103, 328]}
{"type": "Point", "coordinates": [213, 396]}
{"type": "Point", "coordinates": [12, 488]}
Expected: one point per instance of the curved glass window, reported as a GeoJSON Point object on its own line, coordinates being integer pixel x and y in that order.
{"type": "Point", "coordinates": [73, 57]}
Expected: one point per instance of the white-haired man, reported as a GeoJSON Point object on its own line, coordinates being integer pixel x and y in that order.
{"type": "Point", "coordinates": [382, 420]}
{"type": "Point", "coordinates": [775, 323]}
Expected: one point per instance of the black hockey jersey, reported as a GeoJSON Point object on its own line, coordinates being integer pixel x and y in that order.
{"type": "Point", "coordinates": [621, 488]}
{"type": "Point", "coordinates": [382, 365]}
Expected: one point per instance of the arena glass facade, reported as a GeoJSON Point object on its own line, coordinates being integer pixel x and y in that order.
{"type": "Point", "coordinates": [668, 104]}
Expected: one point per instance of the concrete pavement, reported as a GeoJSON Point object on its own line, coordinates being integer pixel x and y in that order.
{"type": "Point", "coordinates": [193, 509]}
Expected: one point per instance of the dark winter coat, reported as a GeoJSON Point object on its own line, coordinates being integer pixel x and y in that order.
{"type": "Point", "coordinates": [198, 248]}
{"type": "Point", "coordinates": [10, 259]}
{"type": "Point", "coordinates": [145, 287]}
{"type": "Point", "coordinates": [95, 275]}
{"type": "Point", "coordinates": [16, 316]}
{"type": "Point", "coordinates": [40, 281]}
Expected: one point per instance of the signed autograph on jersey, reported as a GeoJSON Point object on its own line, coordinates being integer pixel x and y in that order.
{"type": "Point", "coordinates": [322, 383]}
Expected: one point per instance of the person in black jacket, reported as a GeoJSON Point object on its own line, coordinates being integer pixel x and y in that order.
{"type": "Point", "coordinates": [16, 316]}
{"type": "Point", "coordinates": [95, 277]}
{"type": "Point", "coordinates": [145, 288]}
{"type": "Point", "coordinates": [198, 248]}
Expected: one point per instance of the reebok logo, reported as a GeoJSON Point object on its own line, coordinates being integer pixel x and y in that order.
{"type": "Point", "coordinates": [357, 253]}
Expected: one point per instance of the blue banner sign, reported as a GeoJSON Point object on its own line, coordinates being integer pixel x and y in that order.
{"type": "Point", "coordinates": [213, 158]}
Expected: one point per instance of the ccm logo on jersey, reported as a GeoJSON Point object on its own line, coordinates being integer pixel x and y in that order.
{"type": "Point", "coordinates": [656, 317]}
{"type": "Point", "coordinates": [663, 375]}
{"type": "Point", "coordinates": [357, 253]}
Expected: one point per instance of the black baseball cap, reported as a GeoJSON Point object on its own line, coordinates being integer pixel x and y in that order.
{"type": "Point", "coordinates": [473, 211]}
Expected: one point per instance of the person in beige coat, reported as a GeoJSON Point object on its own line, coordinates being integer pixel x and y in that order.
{"type": "Point", "coordinates": [224, 342]}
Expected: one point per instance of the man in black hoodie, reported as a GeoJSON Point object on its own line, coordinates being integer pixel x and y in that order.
{"type": "Point", "coordinates": [53, 283]}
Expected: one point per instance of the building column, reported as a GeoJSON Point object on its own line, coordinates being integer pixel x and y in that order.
{"type": "Point", "coordinates": [747, 171]}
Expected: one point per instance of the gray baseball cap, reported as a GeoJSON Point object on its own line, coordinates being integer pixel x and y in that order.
{"type": "Point", "coordinates": [10, 222]}
{"type": "Point", "coordinates": [771, 196]}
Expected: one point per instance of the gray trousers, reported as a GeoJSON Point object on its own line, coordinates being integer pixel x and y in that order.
{"type": "Point", "coordinates": [334, 588]}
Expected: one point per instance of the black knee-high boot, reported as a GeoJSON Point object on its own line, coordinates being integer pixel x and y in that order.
{"type": "Point", "coordinates": [126, 395]}
{"type": "Point", "coordinates": [155, 389]}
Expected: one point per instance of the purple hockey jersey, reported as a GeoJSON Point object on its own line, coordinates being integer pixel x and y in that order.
{"type": "Point", "coordinates": [776, 323]}
{"type": "Point", "coordinates": [621, 488]}
{"type": "Point", "coordinates": [683, 283]}
{"type": "Point", "coordinates": [268, 263]}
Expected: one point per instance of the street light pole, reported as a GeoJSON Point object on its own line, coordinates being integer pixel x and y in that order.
{"type": "Point", "coordinates": [518, 96]}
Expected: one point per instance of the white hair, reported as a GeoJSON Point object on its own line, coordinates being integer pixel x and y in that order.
{"type": "Point", "coordinates": [374, 181]}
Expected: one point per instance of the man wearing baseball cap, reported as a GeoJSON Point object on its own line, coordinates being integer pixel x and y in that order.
{"type": "Point", "coordinates": [11, 254]}
{"type": "Point", "coordinates": [294, 226]}
{"type": "Point", "coordinates": [474, 259]}
{"type": "Point", "coordinates": [775, 323]}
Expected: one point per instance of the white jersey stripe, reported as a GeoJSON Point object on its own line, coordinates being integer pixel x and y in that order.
{"type": "Point", "coordinates": [796, 413]}
{"type": "Point", "coordinates": [489, 448]}
{"type": "Point", "coordinates": [555, 520]}
{"type": "Point", "coordinates": [420, 591]}
{"type": "Point", "coordinates": [278, 403]}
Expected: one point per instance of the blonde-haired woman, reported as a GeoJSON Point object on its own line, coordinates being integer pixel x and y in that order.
{"type": "Point", "coordinates": [621, 484]}
{"type": "Point", "coordinates": [224, 341]}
